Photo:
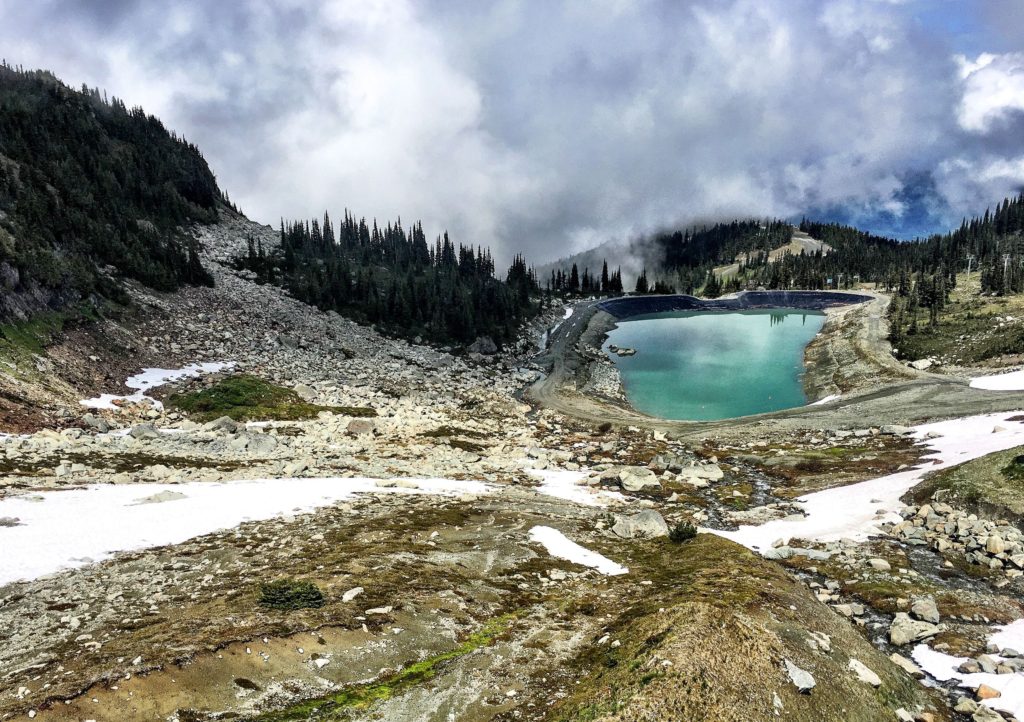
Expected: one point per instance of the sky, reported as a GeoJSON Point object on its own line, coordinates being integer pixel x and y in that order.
{"type": "Point", "coordinates": [550, 126]}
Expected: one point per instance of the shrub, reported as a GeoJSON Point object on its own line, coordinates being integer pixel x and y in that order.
{"type": "Point", "coordinates": [291, 594]}
{"type": "Point", "coordinates": [681, 532]}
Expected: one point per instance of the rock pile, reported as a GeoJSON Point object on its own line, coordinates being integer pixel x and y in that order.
{"type": "Point", "coordinates": [994, 544]}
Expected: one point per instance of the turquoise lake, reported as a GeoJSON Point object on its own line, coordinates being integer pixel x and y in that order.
{"type": "Point", "coordinates": [710, 365]}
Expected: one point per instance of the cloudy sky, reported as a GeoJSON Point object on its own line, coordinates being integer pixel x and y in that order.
{"type": "Point", "coordinates": [548, 126]}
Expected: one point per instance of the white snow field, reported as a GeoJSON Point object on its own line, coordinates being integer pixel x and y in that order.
{"type": "Point", "coordinates": [562, 547]}
{"type": "Point", "coordinates": [150, 379]}
{"type": "Point", "coordinates": [66, 529]}
{"type": "Point", "coordinates": [855, 511]}
{"type": "Point", "coordinates": [1013, 381]}
{"type": "Point", "coordinates": [943, 667]}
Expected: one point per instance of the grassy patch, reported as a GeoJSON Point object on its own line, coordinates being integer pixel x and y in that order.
{"type": "Point", "coordinates": [447, 432]}
{"type": "Point", "coordinates": [245, 398]}
{"type": "Point", "coordinates": [993, 485]}
{"type": "Point", "coordinates": [968, 331]}
{"type": "Point", "coordinates": [361, 696]}
{"type": "Point", "coordinates": [291, 594]}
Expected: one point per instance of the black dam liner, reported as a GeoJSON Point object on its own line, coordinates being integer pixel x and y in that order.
{"type": "Point", "coordinates": [629, 306]}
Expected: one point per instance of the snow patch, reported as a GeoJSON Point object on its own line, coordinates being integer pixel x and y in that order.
{"type": "Point", "coordinates": [1013, 381]}
{"type": "Point", "coordinates": [560, 546]}
{"type": "Point", "coordinates": [856, 511]}
{"type": "Point", "coordinates": [69, 529]}
{"type": "Point", "coordinates": [150, 378]}
{"type": "Point", "coordinates": [563, 484]}
{"type": "Point", "coordinates": [943, 667]}
{"type": "Point", "coordinates": [826, 400]}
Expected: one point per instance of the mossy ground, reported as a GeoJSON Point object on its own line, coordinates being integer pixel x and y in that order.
{"type": "Point", "coordinates": [993, 484]}
{"type": "Point", "coordinates": [706, 641]}
{"type": "Point", "coordinates": [21, 340]}
{"type": "Point", "coordinates": [245, 398]}
{"type": "Point", "coordinates": [361, 696]}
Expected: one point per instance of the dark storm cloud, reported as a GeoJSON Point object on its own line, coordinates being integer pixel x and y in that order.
{"type": "Point", "coordinates": [549, 126]}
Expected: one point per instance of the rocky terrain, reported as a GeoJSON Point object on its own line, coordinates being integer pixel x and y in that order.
{"type": "Point", "coordinates": [475, 551]}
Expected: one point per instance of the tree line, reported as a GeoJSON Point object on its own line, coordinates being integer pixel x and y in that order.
{"type": "Point", "coordinates": [394, 278]}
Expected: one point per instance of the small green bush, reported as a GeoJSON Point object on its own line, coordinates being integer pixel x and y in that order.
{"type": "Point", "coordinates": [288, 594]}
{"type": "Point", "coordinates": [681, 532]}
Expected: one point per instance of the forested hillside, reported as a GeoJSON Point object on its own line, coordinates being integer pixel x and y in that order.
{"type": "Point", "coordinates": [394, 278]}
{"type": "Point", "coordinates": [85, 183]}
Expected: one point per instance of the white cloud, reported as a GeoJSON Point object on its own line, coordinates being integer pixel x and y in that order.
{"type": "Point", "coordinates": [548, 126]}
{"type": "Point", "coordinates": [993, 90]}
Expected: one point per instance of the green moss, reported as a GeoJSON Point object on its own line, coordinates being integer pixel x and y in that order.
{"type": "Point", "coordinates": [993, 485]}
{"type": "Point", "coordinates": [244, 398]}
{"type": "Point", "coordinates": [291, 594]}
{"type": "Point", "coordinates": [444, 432]}
{"type": "Point", "coordinates": [364, 695]}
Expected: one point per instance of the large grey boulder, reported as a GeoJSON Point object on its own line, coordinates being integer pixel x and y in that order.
{"type": "Point", "coordinates": [96, 422]}
{"type": "Point", "coordinates": [645, 525]}
{"type": "Point", "coordinates": [144, 431]}
{"type": "Point", "coordinates": [483, 345]}
{"type": "Point", "coordinates": [905, 630]}
{"type": "Point", "coordinates": [359, 427]}
{"type": "Point", "coordinates": [224, 423]}
{"type": "Point", "coordinates": [924, 608]}
{"type": "Point", "coordinates": [261, 443]}
{"type": "Point", "coordinates": [635, 478]}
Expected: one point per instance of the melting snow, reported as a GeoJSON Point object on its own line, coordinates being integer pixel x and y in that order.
{"type": "Point", "coordinates": [67, 529]}
{"type": "Point", "coordinates": [943, 667]}
{"type": "Point", "coordinates": [1013, 381]}
{"type": "Point", "coordinates": [827, 399]}
{"type": "Point", "coordinates": [565, 485]}
{"type": "Point", "coordinates": [856, 511]}
{"type": "Point", "coordinates": [560, 546]}
{"type": "Point", "coordinates": [150, 379]}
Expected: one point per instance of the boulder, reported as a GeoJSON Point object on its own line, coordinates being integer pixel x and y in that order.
{"type": "Point", "coordinates": [305, 392]}
{"type": "Point", "coordinates": [906, 665]}
{"type": "Point", "coordinates": [896, 430]}
{"type": "Point", "coordinates": [483, 345]}
{"type": "Point", "coordinates": [96, 422]}
{"type": "Point", "coordinates": [635, 478]}
{"type": "Point", "coordinates": [223, 423]}
{"type": "Point", "coordinates": [905, 630]}
{"type": "Point", "coordinates": [921, 364]}
{"type": "Point", "coordinates": [987, 714]}
{"type": "Point", "coordinates": [144, 431]}
{"type": "Point", "coordinates": [880, 565]}
{"type": "Point", "coordinates": [359, 427]}
{"type": "Point", "coordinates": [262, 443]}
{"type": "Point", "coordinates": [801, 679]}
{"type": "Point", "coordinates": [924, 608]}
{"type": "Point", "coordinates": [995, 544]}
{"type": "Point", "coordinates": [645, 525]}
{"type": "Point", "coordinates": [863, 673]}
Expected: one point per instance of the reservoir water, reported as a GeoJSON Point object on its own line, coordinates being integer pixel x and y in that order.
{"type": "Point", "coordinates": [714, 365]}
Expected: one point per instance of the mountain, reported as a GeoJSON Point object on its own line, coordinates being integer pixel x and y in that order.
{"type": "Point", "coordinates": [91, 192]}
{"type": "Point", "coordinates": [751, 253]}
